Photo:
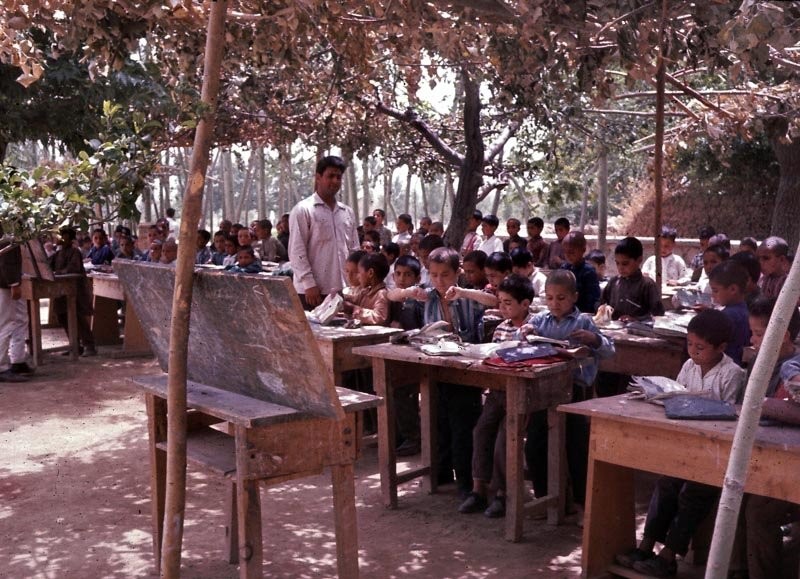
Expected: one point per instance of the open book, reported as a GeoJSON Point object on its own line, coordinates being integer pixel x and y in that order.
{"type": "Point", "coordinates": [655, 388]}
{"type": "Point", "coordinates": [534, 339]}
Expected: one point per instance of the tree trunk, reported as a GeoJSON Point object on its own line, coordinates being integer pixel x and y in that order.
{"type": "Point", "coordinates": [366, 199]}
{"type": "Point", "coordinates": [786, 214]}
{"type": "Point", "coordinates": [226, 176]}
{"type": "Point", "coordinates": [182, 300]}
{"type": "Point", "coordinates": [658, 162]}
{"type": "Point", "coordinates": [247, 187]}
{"type": "Point", "coordinates": [470, 176]}
{"type": "Point", "coordinates": [602, 200]}
{"type": "Point", "coordinates": [584, 206]}
{"type": "Point", "coordinates": [407, 203]}
{"type": "Point", "coordinates": [262, 184]}
{"type": "Point", "coordinates": [747, 426]}
{"type": "Point", "coordinates": [284, 162]}
{"type": "Point", "coordinates": [388, 173]}
{"type": "Point", "coordinates": [498, 195]}
{"type": "Point", "coordinates": [424, 194]}
{"type": "Point", "coordinates": [449, 194]}
{"type": "Point", "coordinates": [353, 187]}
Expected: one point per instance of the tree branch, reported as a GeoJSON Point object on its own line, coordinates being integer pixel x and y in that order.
{"type": "Point", "coordinates": [411, 118]}
{"type": "Point", "coordinates": [501, 140]}
{"type": "Point", "coordinates": [634, 113]}
{"type": "Point", "coordinates": [694, 94]}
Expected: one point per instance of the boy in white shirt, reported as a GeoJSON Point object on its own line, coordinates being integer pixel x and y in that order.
{"type": "Point", "coordinates": [491, 243]}
{"type": "Point", "coordinates": [673, 268]}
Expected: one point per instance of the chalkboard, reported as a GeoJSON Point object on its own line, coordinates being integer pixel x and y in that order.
{"type": "Point", "coordinates": [35, 262]}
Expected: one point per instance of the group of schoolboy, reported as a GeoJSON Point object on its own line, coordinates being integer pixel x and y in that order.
{"type": "Point", "coordinates": [461, 286]}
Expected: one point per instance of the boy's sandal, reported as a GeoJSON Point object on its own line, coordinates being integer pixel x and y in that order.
{"type": "Point", "coordinates": [633, 556]}
{"type": "Point", "coordinates": [657, 567]}
{"type": "Point", "coordinates": [473, 503]}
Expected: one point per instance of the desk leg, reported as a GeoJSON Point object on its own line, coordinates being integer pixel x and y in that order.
{"type": "Point", "coordinates": [248, 506]}
{"type": "Point", "coordinates": [134, 341]}
{"type": "Point", "coordinates": [72, 322]}
{"type": "Point", "coordinates": [35, 317]}
{"type": "Point", "coordinates": [232, 526]}
{"type": "Point", "coordinates": [610, 524]}
{"type": "Point", "coordinates": [157, 431]}
{"type": "Point", "coordinates": [556, 465]}
{"type": "Point", "coordinates": [387, 461]}
{"type": "Point", "coordinates": [346, 525]}
{"type": "Point", "coordinates": [516, 411]}
{"type": "Point", "coordinates": [428, 394]}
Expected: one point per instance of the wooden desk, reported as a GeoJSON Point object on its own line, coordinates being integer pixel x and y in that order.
{"type": "Point", "coordinates": [642, 356]}
{"type": "Point", "coordinates": [336, 346]}
{"type": "Point", "coordinates": [526, 391]}
{"type": "Point", "coordinates": [108, 291]}
{"type": "Point", "coordinates": [36, 289]}
{"type": "Point", "coordinates": [628, 435]}
{"type": "Point", "coordinates": [255, 441]}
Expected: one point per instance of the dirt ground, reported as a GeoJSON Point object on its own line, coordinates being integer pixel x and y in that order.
{"type": "Point", "coordinates": [74, 500]}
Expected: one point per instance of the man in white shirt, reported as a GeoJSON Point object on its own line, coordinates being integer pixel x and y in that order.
{"type": "Point", "coordinates": [491, 243]}
{"type": "Point", "coordinates": [322, 232]}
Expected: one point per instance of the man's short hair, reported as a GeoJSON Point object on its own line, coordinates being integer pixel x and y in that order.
{"type": "Point", "coordinates": [713, 326]}
{"type": "Point", "coordinates": [762, 307]}
{"type": "Point", "coordinates": [561, 222]}
{"type": "Point", "coordinates": [562, 278]}
{"type": "Point", "coordinates": [376, 262]}
{"type": "Point", "coordinates": [410, 262]}
{"type": "Point", "coordinates": [491, 220]}
{"type": "Point", "coordinates": [629, 247]}
{"type": "Point", "coordinates": [431, 242]}
{"type": "Point", "coordinates": [729, 273]}
{"type": "Point", "coordinates": [330, 161]}
{"type": "Point", "coordinates": [669, 232]}
{"type": "Point", "coordinates": [446, 255]}
{"type": "Point", "coordinates": [537, 222]}
{"type": "Point", "coordinates": [499, 261]}
{"type": "Point", "coordinates": [521, 257]}
{"type": "Point", "coordinates": [777, 245]}
{"type": "Point", "coordinates": [477, 257]}
{"type": "Point", "coordinates": [518, 287]}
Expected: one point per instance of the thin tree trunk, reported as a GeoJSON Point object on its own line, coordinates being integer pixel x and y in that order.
{"type": "Point", "coordinates": [498, 195]}
{"type": "Point", "coordinates": [602, 200]}
{"type": "Point", "coordinates": [658, 160]}
{"type": "Point", "coordinates": [353, 187]}
{"type": "Point", "coordinates": [227, 185]}
{"type": "Point", "coordinates": [366, 199]}
{"type": "Point", "coordinates": [747, 426]}
{"type": "Point", "coordinates": [182, 300]}
{"type": "Point", "coordinates": [407, 203]}
{"type": "Point", "coordinates": [388, 172]}
{"type": "Point", "coordinates": [449, 193]}
{"type": "Point", "coordinates": [424, 194]}
{"type": "Point", "coordinates": [584, 206]}
{"type": "Point", "coordinates": [284, 160]}
{"type": "Point", "coordinates": [247, 187]}
{"type": "Point", "coordinates": [262, 184]}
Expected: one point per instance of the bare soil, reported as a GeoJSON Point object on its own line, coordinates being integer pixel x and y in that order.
{"type": "Point", "coordinates": [74, 500]}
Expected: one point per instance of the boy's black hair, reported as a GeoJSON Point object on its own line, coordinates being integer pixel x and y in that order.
{"type": "Point", "coordinates": [355, 256]}
{"type": "Point", "coordinates": [330, 161]}
{"type": "Point", "coordinates": [406, 218]}
{"type": "Point", "coordinates": [561, 222]}
{"type": "Point", "coordinates": [376, 262]}
{"type": "Point", "coordinates": [233, 239]}
{"type": "Point", "coordinates": [491, 220]}
{"type": "Point", "coordinates": [381, 211]}
{"type": "Point", "coordinates": [100, 231]}
{"type": "Point", "coordinates": [248, 249]}
{"type": "Point", "coordinates": [446, 255]}
{"type": "Point", "coordinates": [170, 212]}
{"type": "Point", "coordinates": [575, 238]}
{"type": "Point", "coordinates": [720, 239]}
{"type": "Point", "coordinates": [706, 232]}
{"type": "Point", "coordinates": [518, 287]}
{"type": "Point", "coordinates": [729, 273]}
{"type": "Point", "coordinates": [265, 224]}
{"type": "Point", "coordinates": [536, 222]}
{"type": "Point", "coordinates": [750, 242]}
{"type": "Point", "coordinates": [499, 261]}
{"type": "Point", "coordinates": [477, 214]}
{"type": "Point", "coordinates": [392, 249]}
{"type": "Point", "coordinates": [431, 242]}
{"type": "Point", "coordinates": [720, 250]}
{"type": "Point", "coordinates": [373, 236]}
{"type": "Point", "coordinates": [204, 234]}
{"type": "Point", "coordinates": [410, 262]}
{"type": "Point", "coordinates": [68, 233]}
{"type": "Point", "coordinates": [629, 247]}
{"type": "Point", "coordinates": [596, 256]}
{"type": "Point", "coordinates": [477, 257]}
{"type": "Point", "coordinates": [713, 326]}
{"type": "Point", "coordinates": [749, 262]}
{"type": "Point", "coordinates": [564, 278]}
{"type": "Point", "coordinates": [220, 232]}
{"type": "Point", "coordinates": [518, 222]}
{"type": "Point", "coordinates": [669, 232]}
{"type": "Point", "coordinates": [371, 220]}
{"type": "Point", "coordinates": [776, 245]}
{"type": "Point", "coordinates": [762, 308]}
{"type": "Point", "coordinates": [521, 257]}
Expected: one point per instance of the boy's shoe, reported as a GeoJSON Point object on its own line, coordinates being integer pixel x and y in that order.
{"type": "Point", "coordinates": [657, 567]}
{"type": "Point", "coordinates": [633, 556]}
{"type": "Point", "coordinates": [472, 504]}
{"type": "Point", "coordinates": [9, 376]}
{"type": "Point", "coordinates": [496, 509]}
{"type": "Point", "coordinates": [408, 448]}
{"type": "Point", "coordinates": [89, 351]}
{"type": "Point", "coordinates": [69, 352]}
{"type": "Point", "coordinates": [21, 368]}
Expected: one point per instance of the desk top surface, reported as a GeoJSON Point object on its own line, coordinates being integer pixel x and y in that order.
{"type": "Point", "coordinates": [406, 353]}
{"type": "Point", "coordinates": [640, 413]}
{"type": "Point", "coordinates": [623, 337]}
{"type": "Point", "coordinates": [362, 334]}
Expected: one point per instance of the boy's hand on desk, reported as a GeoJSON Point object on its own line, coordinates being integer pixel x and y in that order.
{"type": "Point", "coordinates": [585, 337]}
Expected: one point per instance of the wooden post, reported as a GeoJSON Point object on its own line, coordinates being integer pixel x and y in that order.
{"type": "Point", "coordinates": [602, 200]}
{"type": "Point", "coordinates": [658, 158]}
{"type": "Point", "coordinates": [182, 300]}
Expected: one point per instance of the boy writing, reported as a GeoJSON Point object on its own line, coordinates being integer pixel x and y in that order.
{"type": "Point", "coordinates": [677, 506]}
{"type": "Point", "coordinates": [673, 268]}
{"type": "Point", "coordinates": [574, 245]}
{"type": "Point", "coordinates": [728, 283]}
{"type": "Point", "coordinates": [488, 438]}
{"type": "Point", "coordinates": [773, 255]}
{"type": "Point", "coordinates": [564, 321]}
{"type": "Point", "coordinates": [632, 295]}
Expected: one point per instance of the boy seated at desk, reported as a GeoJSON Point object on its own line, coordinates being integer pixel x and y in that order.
{"type": "Point", "coordinates": [773, 254]}
{"type": "Point", "coordinates": [474, 276]}
{"type": "Point", "coordinates": [489, 438]}
{"type": "Point", "coordinates": [563, 321]}
{"type": "Point", "coordinates": [673, 268]}
{"type": "Point", "coordinates": [496, 268]}
{"type": "Point", "coordinates": [407, 315]}
{"type": "Point", "coordinates": [587, 282]}
{"type": "Point", "coordinates": [458, 406]}
{"type": "Point", "coordinates": [764, 516]}
{"type": "Point", "coordinates": [677, 507]}
{"type": "Point", "coordinates": [522, 264]}
{"type": "Point", "coordinates": [246, 261]}
{"type": "Point", "coordinates": [368, 302]}
{"type": "Point", "coordinates": [632, 295]}
{"type": "Point", "coordinates": [728, 282]}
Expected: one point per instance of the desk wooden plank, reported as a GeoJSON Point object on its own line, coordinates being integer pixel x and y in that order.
{"type": "Point", "coordinates": [640, 355]}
